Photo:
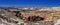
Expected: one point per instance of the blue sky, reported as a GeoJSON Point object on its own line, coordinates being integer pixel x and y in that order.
{"type": "Point", "coordinates": [25, 3]}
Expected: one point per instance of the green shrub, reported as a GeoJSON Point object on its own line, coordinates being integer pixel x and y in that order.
{"type": "Point", "coordinates": [22, 24]}
{"type": "Point", "coordinates": [20, 17]}
{"type": "Point", "coordinates": [17, 15]}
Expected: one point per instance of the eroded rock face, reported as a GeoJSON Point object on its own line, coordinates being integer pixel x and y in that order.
{"type": "Point", "coordinates": [8, 18]}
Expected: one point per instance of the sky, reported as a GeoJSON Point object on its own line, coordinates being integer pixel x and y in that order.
{"type": "Point", "coordinates": [29, 3]}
